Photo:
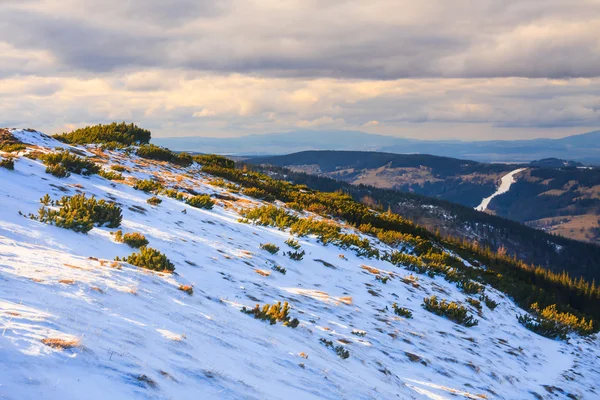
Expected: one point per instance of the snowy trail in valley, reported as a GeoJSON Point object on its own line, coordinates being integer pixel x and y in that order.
{"type": "Point", "coordinates": [506, 181]}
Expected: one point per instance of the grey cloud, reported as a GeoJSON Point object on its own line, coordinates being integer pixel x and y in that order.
{"type": "Point", "coordinates": [488, 38]}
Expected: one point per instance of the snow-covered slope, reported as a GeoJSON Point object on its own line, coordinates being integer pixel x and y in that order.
{"type": "Point", "coordinates": [140, 337]}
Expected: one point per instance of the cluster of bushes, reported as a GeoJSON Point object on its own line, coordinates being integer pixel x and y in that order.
{"type": "Point", "coordinates": [295, 255]}
{"type": "Point", "coordinates": [453, 311]}
{"type": "Point", "coordinates": [200, 201]}
{"type": "Point", "coordinates": [279, 269]}
{"type": "Point", "coordinates": [79, 213]}
{"type": "Point", "coordinates": [148, 185]}
{"type": "Point", "coordinates": [339, 350]}
{"type": "Point", "coordinates": [257, 194]}
{"type": "Point", "coordinates": [12, 147]}
{"type": "Point", "coordinates": [214, 160]}
{"type": "Point", "coordinates": [114, 134]}
{"type": "Point", "coordinates": [326, 232]}
{"type": "Point", "coordinates": [8, 163]}
{"type": "Point", "coordinates": [153, 152]}
{"type": "Point", "coordinates": [273, 313]}
{"type": "Point", "coordinates": [62, 163]}
{"type": "Point", "coordinates": [110, 175]}
{"type": "Point", "coordinates": [551, 323]}
{"type": "Point", "coordinates": [401, 311]}
{"type": "Point", "coordinates": [524, 283]}
{"type": "Point", "coordinates": [135, 239]}
{"type": "Point", "coordinates": [149, 258]}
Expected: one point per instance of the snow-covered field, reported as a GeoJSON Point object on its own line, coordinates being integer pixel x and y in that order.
{"type": "Point", "coordinates": [139, 337]}
{"type": "Point", "coordinates": [505, 184]}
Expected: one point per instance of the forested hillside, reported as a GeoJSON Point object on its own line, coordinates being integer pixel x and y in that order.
{"type": "Point", "coordinates": [557, 196]}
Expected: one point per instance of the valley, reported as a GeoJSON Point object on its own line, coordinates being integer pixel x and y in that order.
{"type": "Point", "coordinates": [546, 194]}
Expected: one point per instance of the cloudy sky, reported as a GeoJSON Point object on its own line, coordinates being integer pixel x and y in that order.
{"type": "Point", "coordinates": [475, 69]}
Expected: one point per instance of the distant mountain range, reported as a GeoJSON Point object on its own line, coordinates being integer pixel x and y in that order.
{"type": "Point", "coordinates": [584, 148]}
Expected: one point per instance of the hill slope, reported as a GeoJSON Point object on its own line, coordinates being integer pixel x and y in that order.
{"type": "Point", "coordinates": [128, 333]}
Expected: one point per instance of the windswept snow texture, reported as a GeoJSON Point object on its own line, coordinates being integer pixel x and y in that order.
{"type": "Point", "coordinates": [138, 337]}
{"type": "Point", "coordinates": [505, 183]}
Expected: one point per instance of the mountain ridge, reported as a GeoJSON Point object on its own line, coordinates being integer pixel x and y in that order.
{"type": "Point", "coordinates": [583, 147]}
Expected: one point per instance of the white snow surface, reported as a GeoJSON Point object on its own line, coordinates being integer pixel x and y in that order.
{"type": "Point", "coordinates": [505, 184]}
{"type": "Point", "coordinates": [134, 326]}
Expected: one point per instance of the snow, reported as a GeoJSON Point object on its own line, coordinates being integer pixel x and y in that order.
{"type": "Point", "coordinates": [505, 184]}
{"type": "Point", "coordinates": [140, 337]}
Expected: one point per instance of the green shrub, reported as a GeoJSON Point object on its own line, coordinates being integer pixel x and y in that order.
{"type": "Point", "coordinates": [270, 247]}
{"type": "Point", "coordinates": [135, 239]}
{"type": "Point", "coordinates": [470, 287]}
{"type": "Point", "coordinates": [491, 304]}
{"type": "Point", "coordinates": [475, 303]}
{"type": "Point", "coordinates": [293, 243]}
{"type": "Point", "coordinates": [148, 186]}
{"type": "Point", "coordinates": [12, 147]}
{"type": "Point", "coordinates": [154, 201]}
{"type": "Point", "coordinates": [113, 134]}
{"type": "Point", "coordinates": [62, 163]}
{"type": "Point", "coordinates": [110, 175]}
{"type": "Point", "coordinates": [339, 350]}
{"type": "Point", "coordinates": [257, 194]}
{"type": "Point", "coordinates": [8, 163]}
{"type": "Point", "coordinates": [153, 152]}
{"type": "Point", "coordinates": [382, 279]}
{"type": "Point", "coordinates": [401, 311]}
{"type": "Point", "coordinates": [183, 160]}
{"type": "Point", "coordinates": [58, 171]}
{"type": "Point", "coordinates": [200, 201]}
{"type": "Point", "coordinates": [295, 255]}
{"type": "Point", "coordinates": [150, 258]}
{"type": "Point", "coordinates": [451, 310]}
{"type": "Point", "coordinates": [118, 168]}
{"type": "Point", "coordinates": [273, 313]}
{"type": "Point", "coordinates": [551, 323]}
{"type": "Point", "coordinates": [173, 193]}
{"type": "Point", "coordinates": [214, 160]}
{"type": "Point", "coordinates": [279, 269]}
{"type": "Point", "coordinates": [79, 213]}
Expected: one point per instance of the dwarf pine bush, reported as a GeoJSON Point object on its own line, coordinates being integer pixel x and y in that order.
{"type": "Point", "coordinates": [200, 201]}
{"type": "Point", "coordinates": [339, 350]}
{"type": "Point", "coordinates": [148, 185]}
{"type": "Point", "coordinates": [154, 201]}
{"type": "Point", "coordinates": [62, 163]}
{"type": "Point", "coordinates": [295, 255]}
{"type": "Point", "coordinates": [110, 175]}
{"type": "Point", "coordinates": [79, 213]}
{"type": "Point", "coordinates": [149, 258]}
{"type": "Point", "coordinates": [134, 239]}
{"type": "Point", "coordinates": [453, 311]}
{"type": "Point", "coordinates": [401, 311]}
{"type": "Point", "coordinates": [118, 168]}
{"type": "Point", "coordinates": [7, 163]}
{"type": "Point", "coordinates": [273, 313]}
{"type": "Point", "coordinates": [553, 324]}
{"type": "Point", "coordinates": [257, 193]}
{"type": "Point", "coordinates": [293, 243]}
{"type": "Point", "coordinates": [153, 152]}
{"type": "Point", "coordinates": [270, 247]}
